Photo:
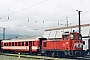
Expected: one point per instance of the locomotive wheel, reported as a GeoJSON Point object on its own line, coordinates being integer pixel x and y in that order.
{"type": "Point", "coordinates": [49, 54]}
{"type": "Point", "coordinates": [53, 54]}
{"type": "Point", "coordinates": [60, 55]}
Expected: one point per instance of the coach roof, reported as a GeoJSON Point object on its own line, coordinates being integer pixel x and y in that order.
{"type": "Point", "coordinates": [19, 40]}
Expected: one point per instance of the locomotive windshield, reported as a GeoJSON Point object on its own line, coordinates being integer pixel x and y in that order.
{"type": "Point", "coordinates": [66, 37]}
{"type": "Point", "coordinates": [72, 36]}
{"type": "Point", "coordinates": [79, 36]}
{"type": "Point", "coordinates": [75, 36]}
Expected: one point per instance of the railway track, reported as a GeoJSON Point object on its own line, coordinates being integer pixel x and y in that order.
{"type": "Point", "coordinates": [44, 57]}
{"type": "Point", "coordinates": [29, 56]}
{"type": "Point", "coordinates": [84, 58]}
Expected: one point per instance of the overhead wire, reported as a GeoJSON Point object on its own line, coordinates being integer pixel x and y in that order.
{"type": "Point", "coordinates": [25, 8]}
{"type": "Point", "coordinates": [32, 6]}
{"type": "Point", "coordinates": [21, 14]}
{"type": "Point", "coordinates": [67, 5]}
{"type": "Point", "coordinates": [10, 4]}
{"type": "Point", "coordinates": [24, 15]}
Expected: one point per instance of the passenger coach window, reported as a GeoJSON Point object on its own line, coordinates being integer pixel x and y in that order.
{"type": "Point", "coordinates": [15, 43]}
{"type": "Point", "coordinates": [22, 43]}
{"type": "Point", "coordinates": [18, 43]}
{"type": "Point", "coordinates": [71, 36]}
{"type": "Point", "coordinates": [26, 43]}
{"type": "Point", "coordinates": [4, 44]}
{"type": "Point", "coordinates": [12, 43]}
{"type": "Point", "coordinates": [9, 44]}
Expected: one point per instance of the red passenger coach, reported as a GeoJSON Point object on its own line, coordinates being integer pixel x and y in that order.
{"type": "Point", "coordinates": [21, 45]}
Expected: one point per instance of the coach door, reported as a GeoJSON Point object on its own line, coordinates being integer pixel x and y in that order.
{"type": "Point", "coordinates": [30, 46]}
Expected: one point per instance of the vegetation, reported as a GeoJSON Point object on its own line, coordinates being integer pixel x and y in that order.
{"type": "Point", "coordinates": [15, 58]}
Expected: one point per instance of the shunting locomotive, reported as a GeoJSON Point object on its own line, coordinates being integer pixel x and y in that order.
{"type": "Point", "coordinates": [70, 45]}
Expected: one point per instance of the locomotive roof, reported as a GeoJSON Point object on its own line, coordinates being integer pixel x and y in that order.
{"type": "Point", "coordinates": [65, 33]}
{"type": "Point", "coordinates": [20, 40]}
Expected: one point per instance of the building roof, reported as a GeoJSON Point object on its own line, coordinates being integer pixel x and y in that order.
{"type": "Point", "coordinates": [67, 27]}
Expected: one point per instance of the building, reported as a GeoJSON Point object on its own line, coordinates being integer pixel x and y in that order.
{"type": "Point", "coordinates": [57, 32]}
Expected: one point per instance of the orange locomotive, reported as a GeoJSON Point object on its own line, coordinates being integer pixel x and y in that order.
{"type": "Point", "coordinates": [71, 45]}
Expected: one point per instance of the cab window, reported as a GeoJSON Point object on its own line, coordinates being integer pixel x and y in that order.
{"type": "Point", "coordinates": [66, 37]}
{"type": "Point", "coordinates": [79, 36]}
{"type": "Point", "coordinates": [72, 36]}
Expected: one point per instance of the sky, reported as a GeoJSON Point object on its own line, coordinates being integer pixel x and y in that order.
{"type": "Point", "coordinates": [27, 17]}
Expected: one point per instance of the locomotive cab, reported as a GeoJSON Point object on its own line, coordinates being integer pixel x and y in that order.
{"type": "Point", "coordinates": [76, 41]}
{"type": "Point", "coordinates": [72, 43]}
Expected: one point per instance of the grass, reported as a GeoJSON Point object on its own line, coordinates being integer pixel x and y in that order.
{"type": "Point", "coordinates": [15, 58]}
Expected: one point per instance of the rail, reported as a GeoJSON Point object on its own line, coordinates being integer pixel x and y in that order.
{"type": "Point", "coordinates": [44, 57]}
{"type": "Point", "coordinates": [29, 56]}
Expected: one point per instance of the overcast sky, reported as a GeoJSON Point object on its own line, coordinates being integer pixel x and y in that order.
{"type": "Point", "coordinates": [25, 16]}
